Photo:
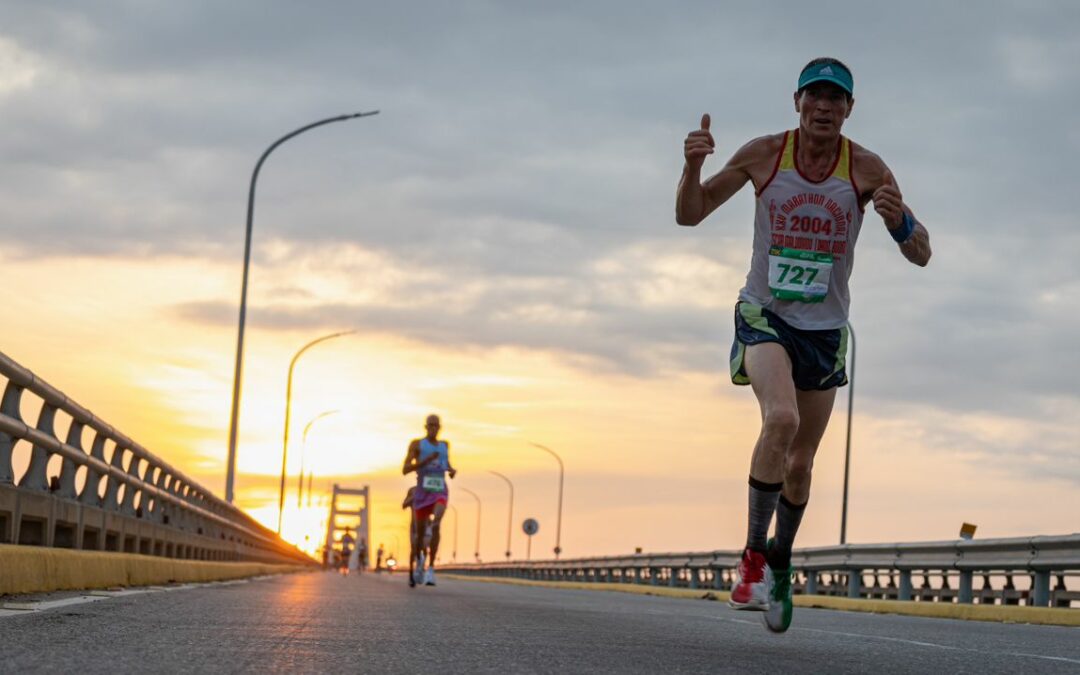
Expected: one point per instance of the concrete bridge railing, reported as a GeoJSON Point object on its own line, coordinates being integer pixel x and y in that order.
{"type": "Point", "coordinates": [938, 571]}
{"type": "Point", "coordinates": [116, 496]}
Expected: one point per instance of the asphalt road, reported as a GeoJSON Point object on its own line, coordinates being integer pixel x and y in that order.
{"type": "Point", "coordinates": [327, 623]}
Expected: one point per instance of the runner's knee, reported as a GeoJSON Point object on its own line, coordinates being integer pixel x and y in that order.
{"type": "Point", "coordinates": [781, 422]}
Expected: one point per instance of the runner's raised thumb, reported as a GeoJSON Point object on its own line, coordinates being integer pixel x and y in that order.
{"type": "Point", "coordinates": [705, 121]}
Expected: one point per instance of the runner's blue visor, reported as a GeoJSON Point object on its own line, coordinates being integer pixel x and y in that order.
{"type": "Point", "coordinates": [828, 72]}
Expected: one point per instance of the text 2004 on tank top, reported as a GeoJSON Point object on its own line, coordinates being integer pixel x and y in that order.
{"type": "Point", "coordinates": [804, 241]}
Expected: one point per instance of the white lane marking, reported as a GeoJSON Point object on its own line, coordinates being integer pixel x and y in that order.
{"type": "Point", "coordinates": [917, 643]}
{"type": "Point", "coordinates": [892, 639]}
{"type": "Point", "coordinates": [120, 594]}
{"type": "Point", "coordinates": [934, 645]}
{"type": "Point", "coordinates": [179, 587]}
{"type": "Point", "coordinates": [1048, 658]}
{"type": "Point", "coordinates": [49, 604]}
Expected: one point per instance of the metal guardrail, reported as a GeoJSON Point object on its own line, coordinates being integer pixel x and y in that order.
{"type": "Point", "coordinates": [129, 499]}
{"type": "Point", "coordinates": [885, 571]}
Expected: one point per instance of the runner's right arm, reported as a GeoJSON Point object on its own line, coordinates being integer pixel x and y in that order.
{"type": "Point", "coordinates": [411, 464]}
{"type": "Point", "coordinates": [694, 201]}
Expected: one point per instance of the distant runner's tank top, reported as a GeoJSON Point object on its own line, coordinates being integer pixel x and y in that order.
{"type": "Point", "coordinates": [804, 241]}
{"type": "Point", "coordinates": [437, 469]}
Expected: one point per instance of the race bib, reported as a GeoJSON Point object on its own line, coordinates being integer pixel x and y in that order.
{"type": "Point", "coordinates": [434, 484]}
{"type": "Point", "coordinates": [802, 276]}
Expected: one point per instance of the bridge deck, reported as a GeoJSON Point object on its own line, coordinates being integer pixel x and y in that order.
{"type": "Point", "coordinates": [328, 623]}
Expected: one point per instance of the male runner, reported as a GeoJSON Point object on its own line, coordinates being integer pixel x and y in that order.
{"type": "Point", "coordinates": [791, 333]}
{"type": "Point", "coordinates": [430, 459]}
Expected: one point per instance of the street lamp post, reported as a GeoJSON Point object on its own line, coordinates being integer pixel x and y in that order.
{"type": "Point", "coordinates": [510, 521]}
{"type": "Point", "coordinates": [453, 556]}
{"type": "Point", "coordinates": [303, 455]}
{"type": "Point", "coordinates": [476, 553]}
{"type": "Point", "coordinates": [230, 471]}
{"type": "Point", "coordinates": [562, 473]}
{"type": "Point", "coordinates": [288, 408]}
{"type": "Point", "coordinates": [847, 448]}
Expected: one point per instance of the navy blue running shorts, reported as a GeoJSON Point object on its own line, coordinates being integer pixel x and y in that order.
{"type": "Point", "coordinates": [817, 356]}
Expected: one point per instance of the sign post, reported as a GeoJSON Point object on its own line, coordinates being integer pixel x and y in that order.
{"type": "Point", "coordinates": [530, 527]}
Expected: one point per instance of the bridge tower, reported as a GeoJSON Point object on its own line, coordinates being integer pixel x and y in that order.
{"type": "Point", "coordinates": [352, 516]}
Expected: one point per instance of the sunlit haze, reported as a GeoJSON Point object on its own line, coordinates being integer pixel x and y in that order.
{"type": "Point", "coordinates": [501, 238]}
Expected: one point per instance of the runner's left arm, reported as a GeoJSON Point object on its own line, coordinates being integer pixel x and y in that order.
{"type": "Point", "coordinates": [889, 203]}
{"type": "Point", "coordinates": [449, 468]}
{"type": "Point", "coordinates": [917, 249]}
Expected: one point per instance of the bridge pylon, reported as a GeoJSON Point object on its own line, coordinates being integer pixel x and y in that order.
{"type": "Point", "coordinates": [346, 516]}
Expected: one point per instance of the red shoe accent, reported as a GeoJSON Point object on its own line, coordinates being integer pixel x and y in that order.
{"type": "Point", "coordinates": [751, 571]}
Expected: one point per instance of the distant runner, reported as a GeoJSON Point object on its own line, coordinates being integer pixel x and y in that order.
{"type": "Point", "coordinates": [791, 333]}
{"type": "Point", "coordinates": [361, 555]}
{"type": "Point", "coordinates": [430, 459]}
{"type": "Point", "coordinates": [346, 551]}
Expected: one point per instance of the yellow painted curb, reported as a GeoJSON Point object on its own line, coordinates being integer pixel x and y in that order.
{"type": "Point", "coordinates": [1049, 616]}
{"type": "Point", "coordinates": [33, 569]}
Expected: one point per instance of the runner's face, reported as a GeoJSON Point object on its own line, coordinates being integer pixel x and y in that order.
{"type": "Point", "coordinates": [822, 108]}
{"type": "Point", "coordinates": [432, 427]}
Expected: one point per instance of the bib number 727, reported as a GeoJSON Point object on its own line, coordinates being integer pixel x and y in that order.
{"type": "Point", "coordinates": [800, 276]}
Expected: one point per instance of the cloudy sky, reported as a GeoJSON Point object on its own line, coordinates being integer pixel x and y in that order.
{"type": "Point", "coordinates": [501, 237]}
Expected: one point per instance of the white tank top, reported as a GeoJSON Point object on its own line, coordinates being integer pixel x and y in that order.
{"type": "Point", "coordinates": [795, 214]}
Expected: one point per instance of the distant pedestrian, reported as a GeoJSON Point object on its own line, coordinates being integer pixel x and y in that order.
{"type": "Point", "coordinates": [353, 564]}
{"type": "Point", "coordinates": [347, 542]}
{"type": "Point", "coordinates": [361, 555]}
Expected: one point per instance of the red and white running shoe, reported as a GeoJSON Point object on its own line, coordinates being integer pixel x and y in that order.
{"type": "Point", "coordinates": [753, 583]}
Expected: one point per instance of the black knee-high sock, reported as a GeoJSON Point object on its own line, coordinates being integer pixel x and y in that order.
{"type": "Point", "coordinates": [788, 518]}
{"type": "Point", "coordinates": [763, 499]}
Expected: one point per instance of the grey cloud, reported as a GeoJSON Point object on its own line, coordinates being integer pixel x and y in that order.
{"type": "Point", "coordinates": [1047, 454]}
{"type": "Point", "coordinates": [607, 340]}
{"type": "Point", "coordinates": [972, 331]}
{"type": "Point", "coordinates": [482, 117]}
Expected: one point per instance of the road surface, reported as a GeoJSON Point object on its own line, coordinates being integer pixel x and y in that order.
{"type": "Point", "coordinates": [327, 623]}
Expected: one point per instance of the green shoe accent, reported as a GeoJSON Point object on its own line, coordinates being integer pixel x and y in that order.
{"type": "Point", "coordinates": [778, 616]}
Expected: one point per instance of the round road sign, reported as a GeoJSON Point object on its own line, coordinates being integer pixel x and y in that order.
{"type": "Point", "coordinates": [530, 526]}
